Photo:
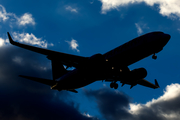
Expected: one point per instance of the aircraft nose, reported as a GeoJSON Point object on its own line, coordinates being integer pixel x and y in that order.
{"type": "Point", "coordinates": [166, 38]}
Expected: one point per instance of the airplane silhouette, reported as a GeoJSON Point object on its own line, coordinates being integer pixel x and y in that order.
{"type": "Point", "coordinates": [111, 66]}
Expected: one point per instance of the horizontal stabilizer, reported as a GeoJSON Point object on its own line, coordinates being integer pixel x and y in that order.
{"type": "Point", "coordinates": [41, 80]}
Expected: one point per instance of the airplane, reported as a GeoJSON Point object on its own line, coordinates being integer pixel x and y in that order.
{"type": "Point", "coordinates": [111, 66]}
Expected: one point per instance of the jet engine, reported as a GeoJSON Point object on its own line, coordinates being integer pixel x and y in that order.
{"type": "Point", "coordinates": [138, 73]}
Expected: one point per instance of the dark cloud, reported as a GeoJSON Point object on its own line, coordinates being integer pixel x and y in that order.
{"type": "Point", "coordinates": [117, 105]}
{"type": "Point", "coordinates": [23, 99]}
{"type": "Point", "coordinates": [112, 104]}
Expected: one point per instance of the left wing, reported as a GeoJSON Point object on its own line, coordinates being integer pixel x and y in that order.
{"type": "Point", "coordinates": [66, 59]}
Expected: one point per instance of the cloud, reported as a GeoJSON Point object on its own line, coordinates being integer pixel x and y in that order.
{"type": "Point", "coordinates": [117, 105]}
{"type": "Point", "coordinates": [27, 39]}
{"type": "Point", "coordinates": [25, 19]}
{"type": "Point", "coordinates": [29, 100]}
{"type": "Point", "coordinates": [69, 8]}
{"type": "Point", "coordinates": [73, 44]}
{"type": "Point", "coordinates": [169, 8]}
{"type": "Point", "coordinates": [139, 29]}
{"type": "Point", "coordinates": [113, 105]}
{"type": "Point", "coordinates": [3, 42]}
{"type": "Point", "coordinates": [166, 106]}
{"type": "Point", "coordinates": [30, 39]}
{"type": "Point", "coordinates": [3, 14]}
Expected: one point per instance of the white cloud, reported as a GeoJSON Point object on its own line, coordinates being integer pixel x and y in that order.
{"type": "Point", "coordinates": [139, 29]}
{"type": "Point", "coordinates": [3, 14]}
{"type": "Point", "coordinates": [73, 44]}
{"type": "Point", "coordinates": [26, 38]}
{"type": "Point", "coordinates": [171, 92]}
{"type": "Point", "coordinates": [30, 39]}
{"type": "Point", "coordinates": [166, 106]}
{"type": "Point", "coordinates": [25, 19]}
{"type": "Point", "coordinates": [170, 8]}
{"type": "Point", "coordinates": [69, 8]}
{"type": "Point", "coordinates": [3, 42]}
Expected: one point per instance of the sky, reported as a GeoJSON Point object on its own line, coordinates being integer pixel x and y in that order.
{"type": "Point", "coordinates": [84, 28]}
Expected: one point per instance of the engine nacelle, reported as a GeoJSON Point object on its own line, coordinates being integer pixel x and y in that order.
{"type": "Point", "coordinates": [138, 73]}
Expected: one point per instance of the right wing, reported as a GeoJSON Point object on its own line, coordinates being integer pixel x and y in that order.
{"type": "Point", "coordinates": [66, 59]}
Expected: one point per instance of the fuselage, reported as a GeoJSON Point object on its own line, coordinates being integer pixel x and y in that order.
{"type": "Point", "coordinates": [137, 48]}
{"type": "Point", "coordinates": [122, 56]}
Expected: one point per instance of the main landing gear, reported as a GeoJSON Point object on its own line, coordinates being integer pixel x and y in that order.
{"type": "Point", "coordinates": [154, 56]}
{"type": "Point", "coordinates": [114, 85]}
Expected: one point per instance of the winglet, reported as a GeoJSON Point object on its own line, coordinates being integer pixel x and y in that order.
{"type": "Point", "coordinates": [156, 83]}
{"type": "Point", "coordinates": [10, 38]}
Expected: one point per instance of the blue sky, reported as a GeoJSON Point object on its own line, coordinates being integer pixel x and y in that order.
{"type": "Point", "coordinates": [84, 28]}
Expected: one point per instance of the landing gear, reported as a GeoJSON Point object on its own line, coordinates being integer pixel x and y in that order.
{"type": "Point", "coordinates": [114, 85]}
{"type": "Point", "coordinates": [154, 57]}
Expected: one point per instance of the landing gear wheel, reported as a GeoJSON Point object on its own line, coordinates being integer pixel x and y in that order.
{"type": "Point", "coordinates": [111, 85]}
{"type": "Point", "coordinates": [115, 85]}
{"type": "Point", "coordinates": [154, 57]}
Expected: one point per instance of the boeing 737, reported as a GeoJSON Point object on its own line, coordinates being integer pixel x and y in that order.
{"type": "Point", "coordinates": [111, 66]}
